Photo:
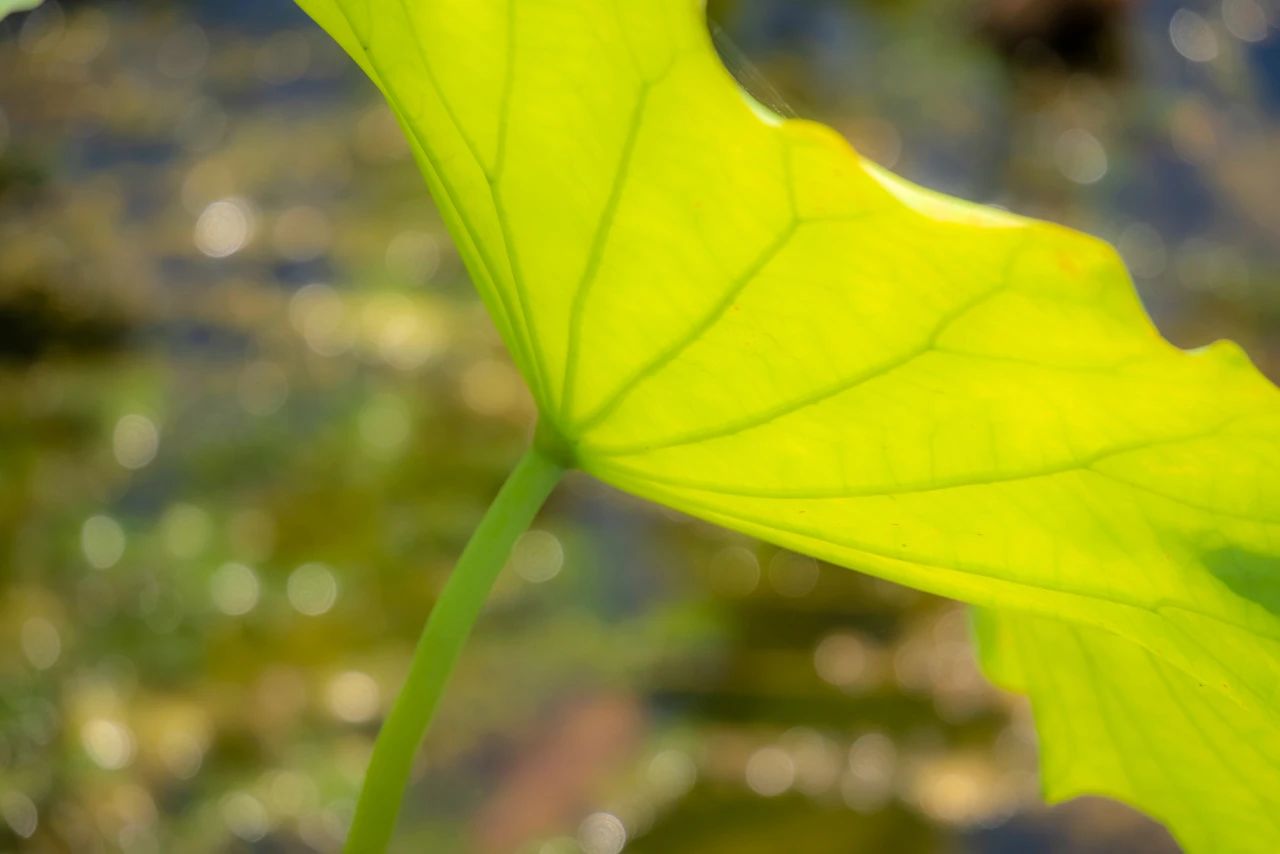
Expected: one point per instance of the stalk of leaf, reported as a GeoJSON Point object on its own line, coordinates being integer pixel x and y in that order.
{"type": "Point", "coordinates": [437, 651]}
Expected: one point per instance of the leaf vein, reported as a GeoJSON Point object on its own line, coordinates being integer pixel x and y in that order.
{"type": "Point", "coordinates": [1083, 464]}
{"type": "Point", "coordinates": [595, 258]}
{"type": "Point", "coordinates": [790, 407]}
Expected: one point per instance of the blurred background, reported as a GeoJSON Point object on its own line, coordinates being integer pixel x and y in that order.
{"type": "Point", "coordinates": [250, 411]}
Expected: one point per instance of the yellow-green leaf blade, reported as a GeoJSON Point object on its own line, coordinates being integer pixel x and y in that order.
{"type": "Point", "coordinates": [1114, 720]}
{"type": "Point", "coordinates": [739, 317]}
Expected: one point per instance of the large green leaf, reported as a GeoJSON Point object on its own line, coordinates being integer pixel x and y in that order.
{"type": "Point", "coordinates": [739, 317]}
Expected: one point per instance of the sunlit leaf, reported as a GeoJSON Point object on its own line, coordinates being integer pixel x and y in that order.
{"type": "Point", "coordinates": [737, 316]}
{"type": "Point", "coordinates": [1116, 720]}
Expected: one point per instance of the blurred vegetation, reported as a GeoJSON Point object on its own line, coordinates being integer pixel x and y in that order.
{"type": "Point", "coordinates": [250, 411]}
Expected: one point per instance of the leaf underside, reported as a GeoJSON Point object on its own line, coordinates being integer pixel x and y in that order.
{"type": "Point", "coordinates": [739, 317]}
{"type": "Point", "coordinates": [1116, 720]}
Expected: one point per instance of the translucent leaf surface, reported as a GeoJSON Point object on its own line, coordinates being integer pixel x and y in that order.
{"type": "Point", "coordinates": [737, 316]}
{"type": "Point", "coordinates": [1114, 719]}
